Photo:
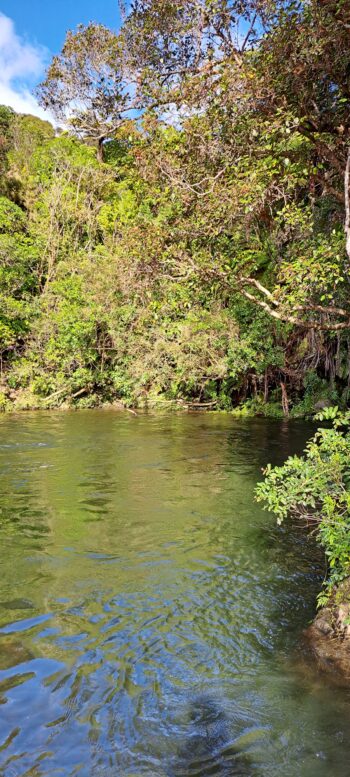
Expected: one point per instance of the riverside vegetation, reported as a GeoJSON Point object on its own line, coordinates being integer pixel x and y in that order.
{"type": "Point", "coordinates": [315, 488]}
{"type": "Point", "coordinates": [186, 238]}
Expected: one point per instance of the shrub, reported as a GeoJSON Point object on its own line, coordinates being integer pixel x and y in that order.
{"type": "Point", "coordinates": [315, 487]}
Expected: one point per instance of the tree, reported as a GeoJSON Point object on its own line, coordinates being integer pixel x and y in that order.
{"type": "Point", "coordinates": [189, 54]}
{"type": "Point", "coordinates": [224, 187]}
{"type": "Point", "coordinates": [178, 49]}
{"type": "Point", "coordinates": [18, 278]}
{"type": "Point", "coordinates": [85, 85]}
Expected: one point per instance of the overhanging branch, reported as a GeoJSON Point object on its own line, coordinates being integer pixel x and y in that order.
{"type": "Point", "coordinates": [278, 313]}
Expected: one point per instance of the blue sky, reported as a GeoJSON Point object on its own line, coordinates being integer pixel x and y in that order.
{"type": "Point", "coordinates": [30, 32]}
{"type": "Point", "coordinates": [46, 22]}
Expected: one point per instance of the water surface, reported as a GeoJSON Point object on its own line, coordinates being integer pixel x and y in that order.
{"type": "Point", "coordinates": [150, 611]}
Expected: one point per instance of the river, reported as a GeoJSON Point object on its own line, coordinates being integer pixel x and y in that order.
{"type": "Point", "coordinates": [151, 612]}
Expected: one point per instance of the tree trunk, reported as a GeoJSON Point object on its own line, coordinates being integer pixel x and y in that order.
{"type": "Point", "coordinates": [100, 148]}
{"type": "Point", "coordinates": [285, 404]}
{"type": "Point", "coordinates": [266, 387]}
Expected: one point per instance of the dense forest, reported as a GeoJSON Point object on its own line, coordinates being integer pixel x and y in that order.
{"type": "Point", "coordinates": [181, 232]}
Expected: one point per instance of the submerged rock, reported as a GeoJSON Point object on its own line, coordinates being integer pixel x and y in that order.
{"type": "Point", "coordinates": [208, 748]}
{"type": "Point", "coordinates": [328, 637]}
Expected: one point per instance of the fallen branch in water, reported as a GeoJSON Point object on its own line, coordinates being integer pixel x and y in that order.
{"type": "Point", "coordinates": [201, 404]}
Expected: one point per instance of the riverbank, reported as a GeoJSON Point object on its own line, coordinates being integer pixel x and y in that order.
{"type": "Point", "coordinates": [328, 637]}
{"type": "Point", "coordinates": [25, 402]}
{"type": "Point", "coordinates": [18, 400]}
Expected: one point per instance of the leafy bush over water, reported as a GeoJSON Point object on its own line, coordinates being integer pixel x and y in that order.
{"type": "Point", "coordinates": [315, 488]}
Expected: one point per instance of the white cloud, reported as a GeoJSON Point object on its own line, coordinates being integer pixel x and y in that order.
{"type": "Point", "coordinates": [21, 66]}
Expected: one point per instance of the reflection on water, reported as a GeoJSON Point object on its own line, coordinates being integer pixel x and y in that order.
{"type": "Point", "coordinates": [150, 611]}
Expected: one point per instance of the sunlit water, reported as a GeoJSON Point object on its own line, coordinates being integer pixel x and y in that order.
{"type": "Point", "coordinates": [151, 613]}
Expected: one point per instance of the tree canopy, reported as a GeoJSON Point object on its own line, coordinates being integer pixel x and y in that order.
{"type": "Point", "coordinates": [203, 254]}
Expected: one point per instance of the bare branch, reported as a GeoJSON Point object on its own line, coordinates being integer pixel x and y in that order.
{"type": "Point", "coordinates": [260, 287]}
{"type": "Point", "coordinates": [290, 319]}
{"type": "Point", "coordinates": [246, 39]}
{"type": "Point", "coordinates": [327, 309]}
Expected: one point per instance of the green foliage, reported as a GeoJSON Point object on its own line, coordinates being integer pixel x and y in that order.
{"type": "Point", "coordinates": [3, 402]}
{"type": "Point", "coordinates": [256, 406]}
{"type": "Point", "coordinates": [111, 289]}
{"type": "Point", "coordinates": [317, 393]}
{"type": "Point", "coordinates": [6, 139]}
{"type": "Point", "coordinates": [315, 488]}
{"type": "Point", "coordinates": [12, 218]}
{"type": "Point", "coordinates": [199, 255]}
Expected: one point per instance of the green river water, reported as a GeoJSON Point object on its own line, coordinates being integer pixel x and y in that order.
{"type": "Point", "coordinates": [151, 612]}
